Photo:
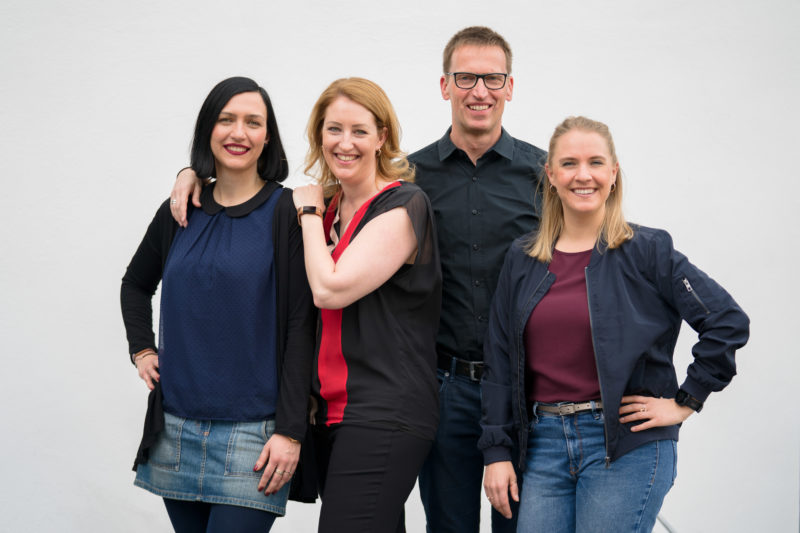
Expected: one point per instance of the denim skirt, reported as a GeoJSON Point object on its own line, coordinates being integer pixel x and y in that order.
{"type": "Point", "coordinates": [210, 461]}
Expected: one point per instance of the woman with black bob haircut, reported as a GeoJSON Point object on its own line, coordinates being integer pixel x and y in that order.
{"type": "Point", "coordinates": [272, 164]}
{"type": "Point", "coordinates": [230, 375]}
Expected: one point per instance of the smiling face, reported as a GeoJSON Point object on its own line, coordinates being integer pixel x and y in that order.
{"type": "Point", "coordinates": [477, 111]}
{"type": "Point", "coordinates": [240, 133]}
{"type": "Point", "coordinates": [350, 139]}
{"type": "Point", "coordinates": [582, 172]}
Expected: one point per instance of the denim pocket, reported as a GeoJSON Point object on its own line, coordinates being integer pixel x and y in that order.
{"type": "Point", "coordinates": [166, 452]}
{"type": "Point", "coordinates": [246, 441]}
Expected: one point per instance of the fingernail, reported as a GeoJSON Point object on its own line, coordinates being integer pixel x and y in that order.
{"type": "Point", "coordinates": [255, 468]}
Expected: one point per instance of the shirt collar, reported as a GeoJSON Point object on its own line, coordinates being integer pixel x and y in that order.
{"type": "Point", "coordinates": [211, 207]}
{"type": "Point", "coordinates": [503, 147]}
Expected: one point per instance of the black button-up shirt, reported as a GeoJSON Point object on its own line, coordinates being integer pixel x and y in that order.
{"type": "Point", "coordinates": [480, 209]}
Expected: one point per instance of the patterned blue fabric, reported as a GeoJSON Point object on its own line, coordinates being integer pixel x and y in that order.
{"type": "Point", "coordinates": [217, 329]}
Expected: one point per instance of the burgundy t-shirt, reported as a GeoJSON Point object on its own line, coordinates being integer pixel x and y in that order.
{"type": "Point", "coordinates": [559, 358]}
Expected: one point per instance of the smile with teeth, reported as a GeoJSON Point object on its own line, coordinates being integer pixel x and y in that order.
{"type": "Point", "coordinates": [583, 191]}
{"type": "Point", "coordinates": [481, 107]}
{"type": "Point", "coordinates": [236, 149]}
{"type": "Point", "coordinates": [346, 157]}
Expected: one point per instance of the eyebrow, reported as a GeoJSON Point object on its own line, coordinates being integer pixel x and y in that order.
{"type": "Point", "coordinates": [252, 115]}
{"type": "Point", "coordinates": [352, 125]}
{"type": "Point", "coordinates": [572, 158]}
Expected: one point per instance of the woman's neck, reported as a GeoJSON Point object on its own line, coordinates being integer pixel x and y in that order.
{"type": "Point", "coordinates": [234, 188]}
{"type": "Point", "coordinates": [580, 231]}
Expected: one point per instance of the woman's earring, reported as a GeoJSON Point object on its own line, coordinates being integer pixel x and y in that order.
{"type": "Point", "coordinates": [553, 188]}
{"type": "Point", "coordinates": [378, 152]}
{"type": "Point", "coordinates": [613, 186]}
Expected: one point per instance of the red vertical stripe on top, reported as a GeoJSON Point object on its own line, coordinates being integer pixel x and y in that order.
{"type": "Point", "coordinates": [331, 364]}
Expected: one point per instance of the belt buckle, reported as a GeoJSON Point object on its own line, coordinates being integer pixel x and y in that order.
{"type": "Point", "coordinates": [568, 409]}
{"type": "Point", "coordinates": [472, 366]}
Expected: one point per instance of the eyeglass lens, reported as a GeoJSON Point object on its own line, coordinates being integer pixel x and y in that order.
{"type": "Point", "coordinates": [468, 80]}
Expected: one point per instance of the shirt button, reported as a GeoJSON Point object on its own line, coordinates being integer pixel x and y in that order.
{"type": "Point", "coordinates": [474, 178]}
{"type": "Point", "coordinates": [475, 246]}
{"type": "Point", "coordinates": [474, 211]}
{"type": "Point", "coordinates": [477, 283]}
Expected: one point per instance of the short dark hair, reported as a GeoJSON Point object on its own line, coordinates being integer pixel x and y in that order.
{"type": "Point", "coordinates": [272, 164]}
{"type": "Point", "coordinates": [476, 36]}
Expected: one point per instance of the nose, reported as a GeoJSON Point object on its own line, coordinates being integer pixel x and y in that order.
{"type": "Point", "coordinates": [238, 130]}
{"type": "Point", "coordinates": [583, 172]}
{"type": "Point", "coordinates": [480, 89]}
{"type": "Point", "coordinates": [346, 141]}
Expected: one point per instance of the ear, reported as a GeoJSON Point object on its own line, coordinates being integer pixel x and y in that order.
{"type": "Point", "coordinates": [509, 87]}
{"type": "Point", "coordinates": [382, 137]}
{"type": "Point", "coordinates": [443, 87]}
{"type": "Point", "coordinates": [549, 173]}
{"type": "Point", "coordinates": [614, 173]}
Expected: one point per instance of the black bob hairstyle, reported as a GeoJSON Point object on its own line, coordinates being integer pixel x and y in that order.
{"type": "Point", "coordinates": [272, 164]}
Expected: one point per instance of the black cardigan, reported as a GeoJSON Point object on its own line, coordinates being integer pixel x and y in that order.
{"type": "Point", "coordinates": [296, 317]}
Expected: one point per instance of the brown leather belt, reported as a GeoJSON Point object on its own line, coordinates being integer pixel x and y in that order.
{"type": "Point", "coordinates": [570, 408]}
{"type": "Point", "coordinates": [471, 369]}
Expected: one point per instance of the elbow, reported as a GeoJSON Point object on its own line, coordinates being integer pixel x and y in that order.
{"type": "Point", "coordinates": [329, 299]}
{"type": "Point", "coordinates": [324, 299]}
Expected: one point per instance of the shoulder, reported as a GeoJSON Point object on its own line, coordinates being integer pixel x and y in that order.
{"type": "Point", "coordinates": [404, 195]}
{"type": "Point", "coordinates": [163, 218]}
{"type": "Point", "coordinates": [528, 153]}
{"type": "Point", "coordinates": [285, 203]}
{"type": "Point", "coordinates": [648, 248]}
{"type": "Point", "coordinates": [649, 238]}
{"type": "Point", "coordinates": [528, 149]}
{"type": "Point", "coordinates": [425, 154]}
{"type": "Point", "coordinates": [518, 249]}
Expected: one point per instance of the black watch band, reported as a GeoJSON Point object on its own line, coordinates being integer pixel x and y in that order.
{"type": "Point", "coordinates": [684, 398]}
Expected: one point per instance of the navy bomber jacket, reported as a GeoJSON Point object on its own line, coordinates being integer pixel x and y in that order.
{"type": "Point", "coordinates": [638, 294]}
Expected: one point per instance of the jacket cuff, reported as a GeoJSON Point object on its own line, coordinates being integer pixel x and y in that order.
{"type": "Point", "coordinates": [695, 389]}
{"type": "Point", "coordinates": [495, 454]}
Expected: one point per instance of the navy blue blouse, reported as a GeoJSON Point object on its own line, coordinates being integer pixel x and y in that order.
{"type": "Point", "coordinates": [218, 319]}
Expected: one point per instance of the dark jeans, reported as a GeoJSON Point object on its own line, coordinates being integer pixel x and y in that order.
{"type": "Point", "coordinates": [366, 475]}
{"type": "Point", "coordinates": [451, 480]}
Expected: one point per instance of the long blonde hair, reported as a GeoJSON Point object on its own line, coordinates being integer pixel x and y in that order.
{"type": "Point", "coordinates": [391, 163]}
{"type": "Point", "coordinates": [614, 230]}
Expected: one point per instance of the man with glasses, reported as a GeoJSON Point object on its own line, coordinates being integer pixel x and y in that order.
{"type": "Point", "coordinates": [482, 184]}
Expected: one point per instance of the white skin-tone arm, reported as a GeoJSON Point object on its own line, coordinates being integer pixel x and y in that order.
{"type": "Point", "coordinates": [187, 184]}
{"type": "Point", "coordinates": [656, 412]}
{"type": "Point", "coordinates": [500, 480]}
{"type": "Point", "coordinates": [378, 251]}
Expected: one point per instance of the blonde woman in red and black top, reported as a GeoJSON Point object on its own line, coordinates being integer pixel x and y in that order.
{"type": "Point", "coordinates": [373, 267]}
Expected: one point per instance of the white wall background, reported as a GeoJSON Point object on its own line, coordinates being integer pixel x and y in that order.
{"type": "Point", "coordinates": [97, 104]}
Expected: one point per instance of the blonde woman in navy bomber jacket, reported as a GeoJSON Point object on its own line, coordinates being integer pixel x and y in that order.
{"type": "Point", "coordinates": [579, 389]}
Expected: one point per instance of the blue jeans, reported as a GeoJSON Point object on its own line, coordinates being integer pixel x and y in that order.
{"type": "Point", "coordinates": [567, 487]}
{"type": "Point", "coordinates": [451, 480]}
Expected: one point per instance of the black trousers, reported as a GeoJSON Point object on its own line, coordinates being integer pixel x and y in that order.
{"type": "Point", "coordinates": [366, 475]}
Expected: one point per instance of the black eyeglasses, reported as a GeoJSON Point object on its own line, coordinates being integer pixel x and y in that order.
{"type": "Point", "coordinates": [493, 81]}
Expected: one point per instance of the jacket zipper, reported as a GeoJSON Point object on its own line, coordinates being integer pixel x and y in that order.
{"type": "Point", "coordinates": [521, 349]}
{"type": "Point", "coordinates": [690, 290]}
{"type": "Point", "coordinates": [597, 365]}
